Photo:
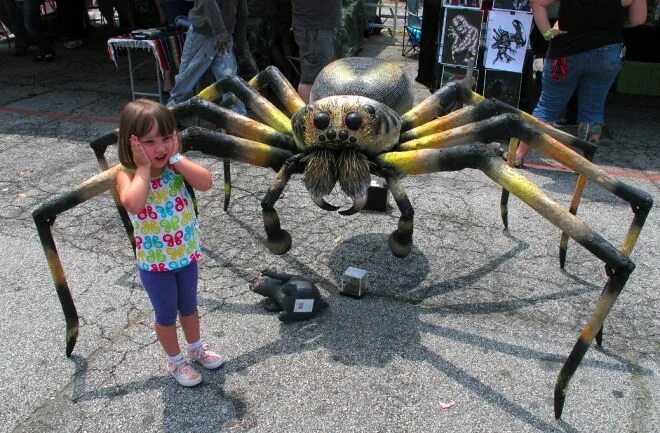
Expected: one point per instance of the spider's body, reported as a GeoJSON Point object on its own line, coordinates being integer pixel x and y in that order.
{"type": "Point", "coordinates": [360, 122]}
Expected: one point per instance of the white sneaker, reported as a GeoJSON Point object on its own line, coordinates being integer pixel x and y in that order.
{"type": "Point", "coordinates": [183, 373]}
{"type": "Point", "coordinates": [209, 359]}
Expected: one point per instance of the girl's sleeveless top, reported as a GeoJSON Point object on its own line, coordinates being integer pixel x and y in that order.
{"type": "Point", "coordinates": [167, 234]}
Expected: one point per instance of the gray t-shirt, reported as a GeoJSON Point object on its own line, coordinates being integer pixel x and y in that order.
{"type": "Point", "coordinates": [316, 14]}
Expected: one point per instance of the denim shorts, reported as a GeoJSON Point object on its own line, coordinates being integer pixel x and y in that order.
{"type": "Point", "coordinates": [590, 74]}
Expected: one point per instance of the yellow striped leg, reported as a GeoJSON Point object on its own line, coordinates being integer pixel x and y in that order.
{"type": "Point", "coordinates": [233, 148]}
{"type": "Point", "coordinates": [233, 123]}
{"type": "Point", "coordinates": [263, 108]}
{"type": "Point", "coordinates": [272, 78]}
{"type": "Point", "coordinates": [44, 217]}
{"type": "Point", "coordinates": [441, 102]}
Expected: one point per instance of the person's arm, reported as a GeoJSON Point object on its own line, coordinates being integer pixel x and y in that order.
{"type": "Point", "coordinates": [133, 189]}
{"type": "Point", "coordinates": [197, 176]}
{"type": "Point", "coordinates": [636, 13]}
{"type": "Point", "coordinates": [540, 12]}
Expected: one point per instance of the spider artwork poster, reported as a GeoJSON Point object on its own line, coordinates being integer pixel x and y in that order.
{"type": "Point", "coordinates": [507, 40]}
{"type": "Point", "coordinates": [503, 86]}
{"type": "Point", "coordinates": [361, 122]}
{"type": "Point", "coordinates": [456, 73]}
{"type": "Point", "coordinates": [513, 5]}
{"type": "Point", "coordinates": [474, 4]}
{"type": "Point", "coordinates": [460, 36]}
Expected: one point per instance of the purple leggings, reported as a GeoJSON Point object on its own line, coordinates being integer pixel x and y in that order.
{"type": "Point", "coordinates": [171, 291]}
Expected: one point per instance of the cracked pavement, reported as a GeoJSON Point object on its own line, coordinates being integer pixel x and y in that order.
{"type": "Point", "coordinates": [475, 314]}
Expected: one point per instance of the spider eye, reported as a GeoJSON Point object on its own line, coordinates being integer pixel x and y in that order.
{"type": "Point", "coordinates": [369, 109]}
{"type": "Point", "coordinates": [321, 120]}
{"type": "Point", "coordinates": [353, 121]}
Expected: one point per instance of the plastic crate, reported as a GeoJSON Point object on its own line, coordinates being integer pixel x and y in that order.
{"type": "Point", "coordinates": [639, 78]}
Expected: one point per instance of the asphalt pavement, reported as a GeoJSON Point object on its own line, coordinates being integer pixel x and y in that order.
{"type": "Point", "coordinates": [466, 334]}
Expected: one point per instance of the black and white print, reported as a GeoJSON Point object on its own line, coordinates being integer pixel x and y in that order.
{"type": "Point", "coordinates": [460, 36]}
{"type": "Point", "coordinates": [507, 39]}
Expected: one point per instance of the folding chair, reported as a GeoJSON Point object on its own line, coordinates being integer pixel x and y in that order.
{"type": "Point", "coordinates": [412, 34]}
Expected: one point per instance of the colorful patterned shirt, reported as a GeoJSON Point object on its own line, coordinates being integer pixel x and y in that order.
{"type": "Point", "coordinates": [167, 234]}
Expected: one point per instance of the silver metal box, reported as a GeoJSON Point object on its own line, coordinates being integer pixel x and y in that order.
{"type": "Point", "coordinates": [354, 282]}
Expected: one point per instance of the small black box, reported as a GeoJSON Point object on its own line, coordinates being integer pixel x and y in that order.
{"type": "Point", "coordinates": [377, 196]}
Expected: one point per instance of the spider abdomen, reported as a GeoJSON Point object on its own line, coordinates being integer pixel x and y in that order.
{"type": "Point", "coordinates": [376, 79]}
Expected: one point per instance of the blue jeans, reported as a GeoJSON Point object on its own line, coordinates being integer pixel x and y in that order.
{"type": "Point", "coordinates": [200, 54]}
{"type": "Point", "coordinates": [591, 73]}
{"type": "Point", "coordinates": [31, 15]}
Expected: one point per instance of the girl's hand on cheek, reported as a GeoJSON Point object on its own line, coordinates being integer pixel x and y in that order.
{"type": "Point", "coordinates": [139, 155]}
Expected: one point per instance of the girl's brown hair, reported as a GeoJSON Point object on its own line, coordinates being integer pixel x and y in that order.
{"type": "Point", "coordinates": [137, 118]}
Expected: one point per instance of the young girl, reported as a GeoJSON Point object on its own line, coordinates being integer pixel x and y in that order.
{"type": "Point", "coordinates": [167, 235]}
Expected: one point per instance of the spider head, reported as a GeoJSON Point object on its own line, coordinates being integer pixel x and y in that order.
{"type": "Point", "coordinates": [346, 122]}
{"type": "Point", "coordinates": [339, 135]}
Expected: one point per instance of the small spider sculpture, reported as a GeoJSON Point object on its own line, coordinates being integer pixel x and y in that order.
{"type": "Point", "coordinates": [360, 122]}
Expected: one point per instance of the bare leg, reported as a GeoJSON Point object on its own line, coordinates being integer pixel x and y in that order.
{"type": "Point", "coordinates": [190, 326]}
{"type": "Point", "coordinates": [168, 339]}
{"type": "Point", "coordinates": [304, 90]}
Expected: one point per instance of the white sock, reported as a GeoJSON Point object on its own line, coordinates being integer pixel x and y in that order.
{"type": "Point", "coordinates": [196, 345]}
{"type": "Point", "coordinates": [177, 359]}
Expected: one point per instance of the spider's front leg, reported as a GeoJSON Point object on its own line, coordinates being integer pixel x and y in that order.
{"type": "Point", "coordinates": [44, 217]}
{"type": "Point", "coordinates": [278, 240]}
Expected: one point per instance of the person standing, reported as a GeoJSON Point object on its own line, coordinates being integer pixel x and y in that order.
{"type": "Point", "coordinates": [314, 24]}
{"type": "Point", "coordinates": [167, 235]}
{"type": "Point", "coordinates": [32, 21]}
{"type": "Point", "coordinates": [584, 56]}
{"type": "Point", "coordinates": [216, 25]}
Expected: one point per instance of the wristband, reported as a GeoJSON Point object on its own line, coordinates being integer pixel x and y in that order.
{"type": "Point", "coordinates": [547, 35]}
{"type": "Point", "coordinates": [175, 158]}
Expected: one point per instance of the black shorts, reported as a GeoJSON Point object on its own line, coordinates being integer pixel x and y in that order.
{"type": "Point", "coordinates": [316, 50]}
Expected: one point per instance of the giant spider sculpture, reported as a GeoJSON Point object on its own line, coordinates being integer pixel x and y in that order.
{"type": "Point", "coordinates": [361, 123]}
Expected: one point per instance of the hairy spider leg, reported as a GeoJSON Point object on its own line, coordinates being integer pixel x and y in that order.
{"type": "Point", "coordinates": [486, 158]}
{"type": "Point", "coordinates": [425, 135]}
{"type": "Point", "coordinates": [262, 107]}
{"type": "Point", "coordinates": [44, 217]}
{"type": "Point", "coordinates": [271, 78]}
{"type": "Point", "coordinates": [278, 241]}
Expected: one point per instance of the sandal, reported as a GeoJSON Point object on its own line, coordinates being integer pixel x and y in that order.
{"type": "Point", "coordinates": [518, 163]}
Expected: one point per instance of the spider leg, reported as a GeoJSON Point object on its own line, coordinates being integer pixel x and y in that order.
{"type": "Point", "coordinates": [272, 78]}
{"type": "Point", "coordinates": [433, 133]}
{"type": "Point", "coordinates": [439, 103]}
{"type": "Point", "coordinates": [233, 123]}
{"type": "Point", "coordinates": [268, 112]}
{"type": "Point", "coordinates": [486, 159]}
{"type": "Point", "coordinates": [233, 148]}
{"type": "Point", "coordinates": [44, 217]}
{"type": "Point", "coordinates": [400, 241]}
{"type": "Point", "coordinates": [278, 240]}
